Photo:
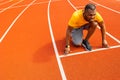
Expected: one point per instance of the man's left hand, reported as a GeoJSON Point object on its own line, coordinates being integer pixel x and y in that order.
{"type": "Point", "coordinates": [105, 44]}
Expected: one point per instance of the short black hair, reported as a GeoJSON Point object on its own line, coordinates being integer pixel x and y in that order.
{"type": "Point", "coordinates": [90, 6]}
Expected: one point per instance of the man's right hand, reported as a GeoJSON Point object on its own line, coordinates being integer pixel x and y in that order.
{"type": "Point", "coordinates": [67, 50]}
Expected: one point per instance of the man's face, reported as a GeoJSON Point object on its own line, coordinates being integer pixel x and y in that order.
{"type": "Point", "coordinates": [89, 15]}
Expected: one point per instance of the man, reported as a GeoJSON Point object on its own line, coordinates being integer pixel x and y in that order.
{"type": "Point", "coordinates": [87, 19]}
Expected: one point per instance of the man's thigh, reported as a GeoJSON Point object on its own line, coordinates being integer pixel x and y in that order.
{"type": "Point", "coordinates": [77, 34]}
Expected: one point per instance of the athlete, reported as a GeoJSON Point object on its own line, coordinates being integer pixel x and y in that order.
{"type": "Point", "coordinates": [86, 19]}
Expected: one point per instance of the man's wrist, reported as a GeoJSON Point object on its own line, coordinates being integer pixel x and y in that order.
{"type": "Point", "coordinates": [67, 46]}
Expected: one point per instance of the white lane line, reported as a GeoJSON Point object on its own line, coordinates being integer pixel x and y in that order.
{"type": "Point", "coordinates": [113, 37]}
{"type": "Point", "coordinates": [16, 20]}
{"type": "Point", "coordinates": [72, 5]}
{"type": "Point", "coordinates": [4, 3]}
{"type": "Point", "coordinates": [118, 12]}
{"type": "Point", "coordinates": [42, 2]}
{"type": "Point", "coordinates": [85, 52]}
{"type": "Point", "coordinates": [54, 45]}
{"type": "Point", "coordinates": [10, 6]}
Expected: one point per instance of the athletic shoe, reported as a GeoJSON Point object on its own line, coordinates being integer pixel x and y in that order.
{"type": "Point", "coordinates": [86, 45]}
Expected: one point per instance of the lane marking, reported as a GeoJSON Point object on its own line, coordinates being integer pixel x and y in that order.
{"type": "Point", "coordinates": [15, 20]}
{"type": "Point", "coordinates": [118, 41]}
{"type": "Point", "coordinates": [10, 6]}
{"type": "Point", "coordinates": [85, 52]}
{"type": "Point", "coordinates": [72, 5]}
{"type": "Point", "coordinates": [54, 45]}
{"type": "Point", "coordinates": [4, 3]}
{"type": "Point", "coordinates": [118, 12]}
{"type": "Point", "coordinates": [113, 37]}
{"type": "Point", "coordinates": [42, 2]}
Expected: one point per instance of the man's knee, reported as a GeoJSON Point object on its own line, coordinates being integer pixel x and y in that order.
{"type": "Point", "coordinates": [93, 24]}
{"type": "Point", "coordinates": [76, 44]}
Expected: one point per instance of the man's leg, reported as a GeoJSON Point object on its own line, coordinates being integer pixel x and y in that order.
{"type": "Point", "coordinates": [91, 29]}
{"type": "Point", "coordinates": [77, 35]}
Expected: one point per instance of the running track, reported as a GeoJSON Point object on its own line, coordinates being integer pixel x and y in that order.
{"type": "Point", "coordinates": [32, 40]}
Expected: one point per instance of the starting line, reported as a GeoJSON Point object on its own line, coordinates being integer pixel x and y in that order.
{"type": "Point", "coordinates": [84, 52]}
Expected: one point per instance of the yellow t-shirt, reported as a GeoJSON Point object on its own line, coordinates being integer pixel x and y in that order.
{"type": "Point", "coordinates": [77, 19]}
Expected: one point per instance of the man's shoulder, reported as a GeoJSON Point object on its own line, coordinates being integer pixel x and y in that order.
{"type": "Point", "coordinates": [98, 17]}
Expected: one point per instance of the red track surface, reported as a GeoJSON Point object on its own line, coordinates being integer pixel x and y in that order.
{"type": "Point", "coordinates": [32, 39]}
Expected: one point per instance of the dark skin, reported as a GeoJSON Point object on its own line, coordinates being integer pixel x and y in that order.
{"type": "Point", "coordinates": [89, 16]}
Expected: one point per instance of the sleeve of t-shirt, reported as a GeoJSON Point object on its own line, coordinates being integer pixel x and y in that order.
{"type": "Point", "coordinates": [73, 20]}
{"type": "Point", "coordinates": [99, 17]}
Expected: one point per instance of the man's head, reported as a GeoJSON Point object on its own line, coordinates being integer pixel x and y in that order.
{"type": "Point", "coordinates": [89, 12]}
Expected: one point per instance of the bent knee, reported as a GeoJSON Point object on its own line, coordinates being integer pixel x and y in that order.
{"type": "Point", "coordinates": [77, 44]}
{"type": "Point", "coordinates": [94, 24]}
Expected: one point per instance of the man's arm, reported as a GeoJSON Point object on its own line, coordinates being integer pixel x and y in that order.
{"type": "Point", "coordinates": [68, 33]}
{"type": "Point", "coordinates": [103, 32]}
